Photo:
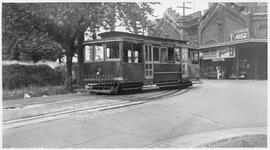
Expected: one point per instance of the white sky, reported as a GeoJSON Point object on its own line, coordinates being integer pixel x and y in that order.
{"type": "Point", "coordinates": [195, 6]}
{"type": "Point", "coordinates": [159, 9]}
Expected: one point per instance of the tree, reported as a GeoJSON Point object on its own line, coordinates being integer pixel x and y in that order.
{"type": "Point", "coordinates": [71, 20]}
{"type": "Point", "coordinates": [110, 13]}
{"type": "Point", "coordinates": [23, 34]}
{"type": "Point", "coordinates": [66, 23]}
{"type": "Point", "coordinates": [134, 16]}
{"type": "Point", "coordinates": [145, 11]}
{"type": "Point", "coordinates": [39, 46]}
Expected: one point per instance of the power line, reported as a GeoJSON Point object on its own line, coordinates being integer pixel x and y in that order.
{"type": "Point", "coordinates": [184, 7]}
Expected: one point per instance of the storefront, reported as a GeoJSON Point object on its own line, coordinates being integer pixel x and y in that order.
{"type": "Point", "coordinates": [231, 37]}
{"type": "Point", "coordinates": [244, 59]}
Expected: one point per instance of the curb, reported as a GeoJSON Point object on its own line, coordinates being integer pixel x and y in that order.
{"type": "Point", "coordinates": [216, 138]}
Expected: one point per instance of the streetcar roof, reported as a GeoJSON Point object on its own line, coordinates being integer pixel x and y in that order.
{"type": "Point", "coordinates": [115, 35]}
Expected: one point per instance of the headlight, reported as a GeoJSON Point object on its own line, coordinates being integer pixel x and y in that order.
{"type": "Point", "coordinates": [98, 71]}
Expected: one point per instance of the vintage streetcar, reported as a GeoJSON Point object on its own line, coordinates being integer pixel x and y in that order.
{"type": "Point", "coordinates": [119, 61]}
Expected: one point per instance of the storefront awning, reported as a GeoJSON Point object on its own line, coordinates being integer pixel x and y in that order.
{"type": "Point", "coordinates": [234, 43]}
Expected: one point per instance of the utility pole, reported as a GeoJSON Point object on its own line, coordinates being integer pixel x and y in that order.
{"type": "Point", "coordinates": [184, 7]}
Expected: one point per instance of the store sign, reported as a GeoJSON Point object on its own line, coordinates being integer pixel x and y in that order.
{"type": "Point", "coordinates": [218, 59]}
{"type": "Point", "coordinates": [226, 52]}
{"type": "Point", "coordinates": [240, 35]}
{"type": "Point", "coordinates": [219, 53]}
{"type": "Point", "coordinates": [209, 55]}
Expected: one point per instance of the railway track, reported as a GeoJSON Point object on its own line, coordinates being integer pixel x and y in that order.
{"type": "Point", "coordinates": [44, 117]}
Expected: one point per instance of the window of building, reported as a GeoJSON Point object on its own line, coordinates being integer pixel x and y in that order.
{"type": "Point", "coordinates": [112, 50]}
{"type": "Point", "coordinates": [156, 54]}
{"type": "Point", "coordinates": [164, 56]}
{"type": "Point", "coordinates": [171, 55]}
{"type": "Point", "coordinates": [99, 52]}
{"type": "Point", "coordinates": [177, 55]}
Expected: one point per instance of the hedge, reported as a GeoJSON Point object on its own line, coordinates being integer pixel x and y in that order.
{"type": "Point", "coordinates": [17, 76]}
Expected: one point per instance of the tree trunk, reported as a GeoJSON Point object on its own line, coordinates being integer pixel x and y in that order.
{"type": "Point", "coordinates": [80, 47]}
{"type": "Point", "coordinates": [69, 69]}
{"type": "Point", "coordinates": [80, 66]}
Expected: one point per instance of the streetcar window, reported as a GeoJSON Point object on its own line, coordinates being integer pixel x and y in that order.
{"type": "Point", "coordinates": [177, 55]}
{"type": "Point", "coordinates": [164, 56]}
{"type": "Point", "coordinates": [146, 52]}
{"type": "Point", "coordinates": [136, 57]}
{"type": "Point", "coordinates": [112, 50]}
{"type": "Point", "coordinates": [185, 55]}
{"type": "Point", "coordinates": [150, 53]}
{"type": "Point", "coordinates": [137, 49]}
{"type": "Point", "coordinates": [88, 53]}
{"type": "Point", "coordinates": [191, 55]}
{"type": "Point", "coordinates": [99, 52]}
{"type": "Point", "coordinates": [196, 57]}
{"type": "Point", "coordinates": [127, 50]}
{"type": "Point", "coordinates": [170, 55]}
{"type": "Point", "coordinates": [156, 54]}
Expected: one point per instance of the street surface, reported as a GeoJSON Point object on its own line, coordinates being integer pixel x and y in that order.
{"type": "Point", "coordinates": [147, 119]}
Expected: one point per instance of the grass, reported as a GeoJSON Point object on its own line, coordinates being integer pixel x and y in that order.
{"type": "Point", "coordinates": [33, 91]}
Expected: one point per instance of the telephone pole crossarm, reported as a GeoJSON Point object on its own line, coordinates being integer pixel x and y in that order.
{"type": "Point", "coordinates": [184, 7]}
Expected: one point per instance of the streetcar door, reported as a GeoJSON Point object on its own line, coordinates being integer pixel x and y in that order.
{"type": "Point", "coordinates": [148, 61]}
{"type": "Point", "coordinates": [185, 62]}
{"type": "Point", "coordinates": [178, 60]}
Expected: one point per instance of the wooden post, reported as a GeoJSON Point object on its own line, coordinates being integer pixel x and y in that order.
{"type": "Point", "coordinates": [121, 54]}
{"type": "Point", "coordinates": [237, 63]}
{"type": "Point", "coordinates": [256, 65]}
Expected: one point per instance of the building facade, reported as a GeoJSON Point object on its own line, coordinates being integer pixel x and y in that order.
{"type": "Point", "coordinates": [232, 38]}
{"type": "Point", "coordinates": [233, 41]}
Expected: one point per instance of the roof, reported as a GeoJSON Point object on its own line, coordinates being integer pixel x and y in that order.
{"type": "Point", "coordinates": [115, 35]}
{"type": "Point", "coordinates": [125, 34]}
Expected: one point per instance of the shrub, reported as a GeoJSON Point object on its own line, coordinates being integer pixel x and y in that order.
{"type": "Point", "coordinates": [17, 76]}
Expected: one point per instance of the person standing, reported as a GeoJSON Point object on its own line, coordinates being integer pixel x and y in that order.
{"type": "Point", "coordinates": [218, 72]}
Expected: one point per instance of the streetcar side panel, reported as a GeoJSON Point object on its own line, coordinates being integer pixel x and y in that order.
{"type": "Point", "coordinates": [108, 69]}
{"type": "Point", "coordinates": [167, 72]}
{"type": "Point", "coordinates": [133, 72]}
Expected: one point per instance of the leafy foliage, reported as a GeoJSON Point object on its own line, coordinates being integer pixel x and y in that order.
{"type": "Point", "coordinates": [134, 16]}
{"type": "Point", "coordinates": [34, 31]}
{"type": "Point", "coordinates": [24, 36]}
{"type": "Point", "coordinates": [17, 76]}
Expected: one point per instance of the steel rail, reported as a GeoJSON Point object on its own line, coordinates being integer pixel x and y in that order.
{"type": "Point", "coordinates": [60, 114]}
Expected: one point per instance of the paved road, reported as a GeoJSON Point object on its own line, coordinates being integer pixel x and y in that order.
{"type": "Point", "coordinates": [211, 106]}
